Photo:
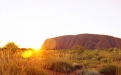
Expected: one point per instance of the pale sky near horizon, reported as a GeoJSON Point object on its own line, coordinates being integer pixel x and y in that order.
{"type": "Point", "coordinates": [29, 22]}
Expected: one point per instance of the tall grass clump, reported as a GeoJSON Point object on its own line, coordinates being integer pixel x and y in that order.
{"type": "Point", "coordinates": [77, 66]}
{"type": "Point", "coordinates": [92, 72]}
{"type": "Point", "coordinates": [61, 66]}
{"type": "Point", "coordinates": [34, 70]}
{"type": "Point", "coordinates": [110, 69]}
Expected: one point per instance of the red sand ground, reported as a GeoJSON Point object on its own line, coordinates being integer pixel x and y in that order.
{"type": "Point", "coordinates": [50, 72]}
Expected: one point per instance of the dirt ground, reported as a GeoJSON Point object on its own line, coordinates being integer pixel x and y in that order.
{"type": "Point", "coordinates": [50, 72]}
{"type": "Point", "coordinates": [57, 73]}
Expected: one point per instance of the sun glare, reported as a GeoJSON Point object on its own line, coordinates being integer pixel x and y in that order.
{"type": "Point", "coordinates": [27, 54]}
{"type": "Point", "coordinates": [35, 49]}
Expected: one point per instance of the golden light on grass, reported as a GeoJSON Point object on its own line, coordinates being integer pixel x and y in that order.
{"type": "Point", "coordinates": [27, 54]}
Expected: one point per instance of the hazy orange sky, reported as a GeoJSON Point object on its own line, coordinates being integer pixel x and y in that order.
{"type": "Point", "coordinates": [29, 22]}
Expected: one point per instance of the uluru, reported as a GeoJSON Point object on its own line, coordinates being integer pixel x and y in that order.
{"type": "Point", "coordinates": [88, 41]}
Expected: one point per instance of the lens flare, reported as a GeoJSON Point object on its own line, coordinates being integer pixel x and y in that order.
{"type": "Point", "coordinates": [27, 54]}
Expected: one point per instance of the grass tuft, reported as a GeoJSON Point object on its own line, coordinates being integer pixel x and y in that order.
{"type": "Point", "coordinates": [61, 66]}
{"type": "Point", "coordinates": [92, 72]}
{"type": "Point", "coordinates": [110, 69]}
{"type": "Point", "coordinates": [35, 71]}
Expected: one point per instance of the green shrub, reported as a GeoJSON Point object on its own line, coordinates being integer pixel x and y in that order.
{"type": "Point", "coordinates": [79, 49]}
{"type": "Point", "coordinates": [61, 66]}
{"type": "Point", "coordinates": [105, 60]}
{"type": "Point", "coordinates": [108, 69]}
{"type": "Point", "coordinates": [92, 72]}
{"type": "Point", "coordinates": [77, 66]}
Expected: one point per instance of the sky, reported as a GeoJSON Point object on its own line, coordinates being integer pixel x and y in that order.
{"type": "Point", "coordinates": [29, 23]}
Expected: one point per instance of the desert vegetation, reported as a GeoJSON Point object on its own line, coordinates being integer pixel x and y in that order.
{"type": "Point", "coordinates": [78, 61]}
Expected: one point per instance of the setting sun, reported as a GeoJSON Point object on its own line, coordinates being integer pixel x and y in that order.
{"type": "Point", "coordinates": [35, 49]}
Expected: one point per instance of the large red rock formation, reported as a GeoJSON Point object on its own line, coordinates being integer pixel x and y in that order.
{"type": "Point", "coordinates": [88, 41]}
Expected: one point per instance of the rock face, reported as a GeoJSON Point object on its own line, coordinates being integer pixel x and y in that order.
{"type": "Point", "coordinates": [88, 41]}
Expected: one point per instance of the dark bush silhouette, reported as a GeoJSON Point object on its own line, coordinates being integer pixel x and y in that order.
{"type": "Point", "coordinates": [11, 46]}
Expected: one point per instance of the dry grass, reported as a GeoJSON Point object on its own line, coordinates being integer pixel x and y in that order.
{"type": "Point", "coordinates": [14, 64]}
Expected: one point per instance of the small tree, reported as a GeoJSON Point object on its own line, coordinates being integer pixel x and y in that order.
{"type": "Point", "coordinates": [79, 49]}
{"type": "Point", "coordinates": [11, 46]}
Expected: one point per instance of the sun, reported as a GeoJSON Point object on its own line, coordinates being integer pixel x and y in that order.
{"type": "Point", "coordinates": [36, 49]}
